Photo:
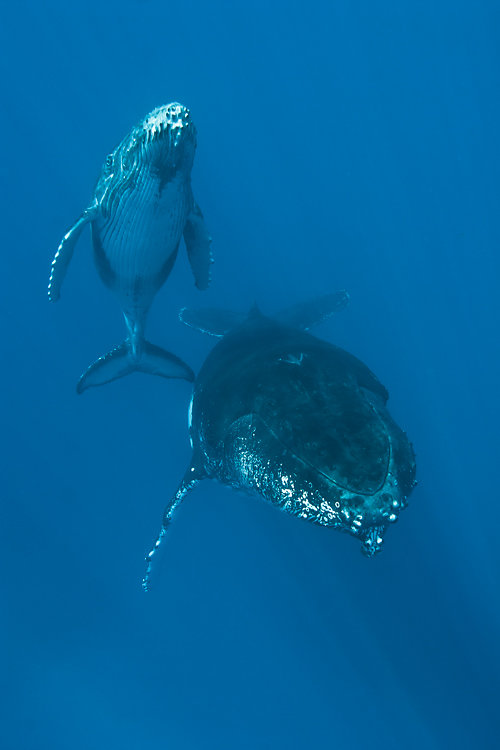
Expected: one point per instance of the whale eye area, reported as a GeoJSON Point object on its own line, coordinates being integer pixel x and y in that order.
{"type": "Point", "coordinates": [108, 164]}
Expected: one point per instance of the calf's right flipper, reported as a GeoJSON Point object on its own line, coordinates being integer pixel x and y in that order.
{"type": "Point", "coordinates": [64, 254]}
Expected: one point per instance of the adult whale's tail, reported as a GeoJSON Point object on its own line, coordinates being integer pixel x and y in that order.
{"type": "Point", "coordinates": [127, 358]}
{"type": "Point", "coordinates": [135, 354]}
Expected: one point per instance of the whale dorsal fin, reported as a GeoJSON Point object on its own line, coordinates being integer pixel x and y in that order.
{"type": "Point", "coordinates": [305, 315]}
{"type": "Point", "coordinates": [211, 320]}
{"type": "Point", "coordinates": [64, 253]}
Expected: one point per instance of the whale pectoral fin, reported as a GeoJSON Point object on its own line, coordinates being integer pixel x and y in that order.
{"type": "Point", "coordinates": [211, 320]}
{"type": "Point", "coordinates": [198, 242]}
{"type": "Point", "coordinates": [193, 475]}
{"type": "Point", "coordinates": [121, 361]}
{"type": "Point", "coordinates": [314, 311]}
{"type": "Point", "coordinates": [64, 254]}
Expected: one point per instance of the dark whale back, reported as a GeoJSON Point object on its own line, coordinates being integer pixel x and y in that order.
{"type": "Point", "coordinates": [313, 397]}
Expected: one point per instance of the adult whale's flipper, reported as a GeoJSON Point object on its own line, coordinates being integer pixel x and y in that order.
{"type": "Point", "coordinates": [304, 316]}
{"type": "Point", "coordinates": [192, 477]}
{"type": "Point", "coordinates": [198, 241]}
{"type": "Point", "coordinates": [64, 253]}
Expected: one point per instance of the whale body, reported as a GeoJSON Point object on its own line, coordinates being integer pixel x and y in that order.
{"type": "Point", "coordinates": [297, 420]}
{"type": "Point", "coordinates": [142, 205]}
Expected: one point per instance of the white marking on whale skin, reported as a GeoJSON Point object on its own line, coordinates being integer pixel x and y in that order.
{"type": "Point", "coordinates": [293, 359]}
{"type": "Point", "coordinates": [190, 419]}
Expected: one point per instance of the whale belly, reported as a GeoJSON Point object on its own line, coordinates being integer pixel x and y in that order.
{"type": "Point", "coordinates": [136, 245]}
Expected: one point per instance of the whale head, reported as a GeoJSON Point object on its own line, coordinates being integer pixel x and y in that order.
{"type": "Point", "coordinates": [160, 147]}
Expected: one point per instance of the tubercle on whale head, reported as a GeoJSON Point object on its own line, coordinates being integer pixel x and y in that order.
{"type": "Point", "coordinates": [372, 541]}
{"type": "Point", "coordinates": [166, 137]}
{"type": "Point", "coordinates": [174, 116]}
{"type": "Point", "coordinates": [164, 141]}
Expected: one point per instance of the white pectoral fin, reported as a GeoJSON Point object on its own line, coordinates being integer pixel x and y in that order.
{"type": "Point", "coordinates": [64, 254]}
{"type": "Point", "coordinates": [198, 242]}
{"type": "Point", "coordinates": [194, 474]}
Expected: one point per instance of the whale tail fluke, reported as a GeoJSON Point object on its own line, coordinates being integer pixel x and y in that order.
{"type": "Point", "coordinates": [124, 359]}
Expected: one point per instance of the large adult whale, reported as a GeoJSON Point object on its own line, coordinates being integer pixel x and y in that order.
{"type": "Point", "coordinates": [296, 420]}
{"type": "Point", "coordinates": [142, 206]}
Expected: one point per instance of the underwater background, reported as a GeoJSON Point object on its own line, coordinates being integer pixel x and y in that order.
{"type": "Point", "coordinates": [340, 145]}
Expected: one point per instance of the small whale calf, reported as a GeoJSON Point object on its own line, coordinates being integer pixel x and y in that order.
{"type": "Point", "coordinates": [142, 206]}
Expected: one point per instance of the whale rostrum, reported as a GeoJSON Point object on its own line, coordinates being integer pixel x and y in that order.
{"type": "Point", "coordinates": [142, 206]}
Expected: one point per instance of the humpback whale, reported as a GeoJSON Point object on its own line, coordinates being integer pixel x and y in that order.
{"type": "Point", "coordinates": [142, 206]}
{"type": "Point", "coordinates": [297, 420]}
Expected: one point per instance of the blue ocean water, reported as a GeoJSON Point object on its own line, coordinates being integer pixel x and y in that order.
{"type": "Point", "coordinates": [340, 145]}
